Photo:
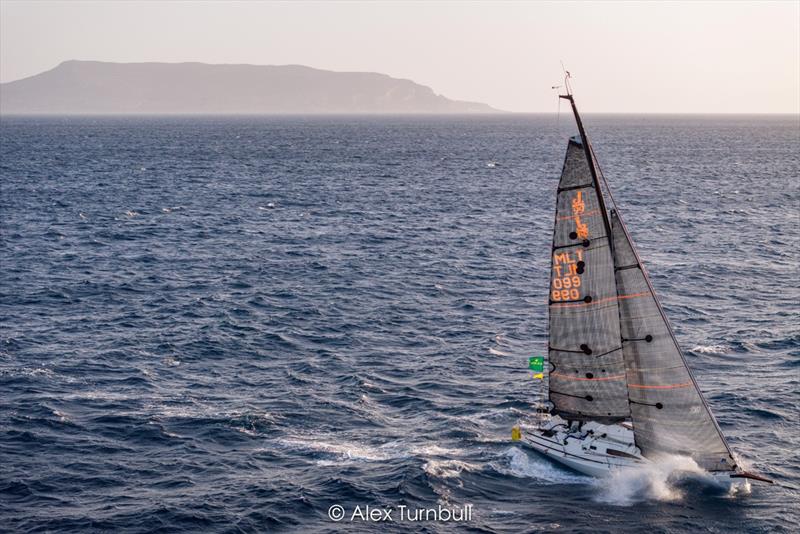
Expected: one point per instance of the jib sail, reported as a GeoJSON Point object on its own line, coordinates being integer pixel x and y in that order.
{"type": "Point", "coordinates": [668, 411]}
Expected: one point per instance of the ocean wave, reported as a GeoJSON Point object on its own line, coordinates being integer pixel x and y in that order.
{"type": "Point", "coordinates": [709, 349]}
{"type": "Point", "coordinates": [178, 359]}
{"type": "Point", "coordinates": [516, 463]}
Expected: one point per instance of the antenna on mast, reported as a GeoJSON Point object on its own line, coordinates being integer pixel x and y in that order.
{"type": "Point", "coordinates": [567, 77]}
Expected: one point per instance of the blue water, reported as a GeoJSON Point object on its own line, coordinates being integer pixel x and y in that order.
{"type": "Point", "coordinates": [230, 325]}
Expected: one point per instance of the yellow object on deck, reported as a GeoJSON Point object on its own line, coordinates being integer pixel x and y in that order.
{"type": "Point", "coordinates": [540, 376]}
{"type": "Point", "coordinates": [516, 434]}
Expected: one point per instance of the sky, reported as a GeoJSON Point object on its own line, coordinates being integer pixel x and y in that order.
{"type": "Point", "coordinates": [636, 57]}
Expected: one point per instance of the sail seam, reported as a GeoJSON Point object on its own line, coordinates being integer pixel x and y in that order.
{"type": "Point", "coordinates": [601, 301]}
{"type": "Point", "coordinates": [566, 350]}
{"type": "Point", "coordinates": [582, 352]}
{"type": "Point", "coordinates": [650, 369]}
{"type": "Point", "coordinates": [573, 187]}
{"type": "Point", "coordinates": [567, 377]}
{"type": "Point", "coordinates": [666, 386]}
{"type": "Point", "coordinates": [577, 244]}
{"type": "Point", "coordinates": [567, 394]}
{"type": "Point", "coordinates": [591, 213]}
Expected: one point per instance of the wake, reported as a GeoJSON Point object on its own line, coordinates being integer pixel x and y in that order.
{"type": "Point", "coordinates": [664, 479]}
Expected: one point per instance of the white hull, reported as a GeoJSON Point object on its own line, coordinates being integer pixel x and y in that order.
{"type": "Point", "coordinates": [597, 450]}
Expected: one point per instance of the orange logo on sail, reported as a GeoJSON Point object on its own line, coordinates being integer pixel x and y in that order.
{"type": "Point", "coordinates": [578, 208]}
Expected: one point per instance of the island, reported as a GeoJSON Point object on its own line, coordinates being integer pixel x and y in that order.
{"type": "Point", "coordinates": [95, 87]}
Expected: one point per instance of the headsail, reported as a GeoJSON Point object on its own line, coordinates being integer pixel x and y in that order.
{"type": "Point", "coordinates": [587, 371]}
{"type": "Point", "coordinates": [667, 409]}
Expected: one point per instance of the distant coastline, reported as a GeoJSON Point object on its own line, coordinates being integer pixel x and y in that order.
{"type": "Point", "coordinates": [101, 88]}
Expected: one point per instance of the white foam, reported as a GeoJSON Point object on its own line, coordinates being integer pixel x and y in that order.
{"type": "Point", "coordinates": [498, 352]}
{"type": "Point", "coordinates": [653, 481]}
{"type": "Point", "coordinates": [447, 468]}
{"type": "Point", "coordinates": [709, 349]}
{"type": "Point", "coordinates": [62, 417]}
{"type": "Point", "coordinates": [516, 463]}
{"type": "Point", "coordinates": [28, 371]}
{"type": "Point", "coordinates": [348, 450]}
{"type": "Point", "coordinates": [742, 488]}
{"type": "Point", "coordinates": [434, 450]}
{"type": "Point", "coordinates": [99, 395]}
{"type": "Point", "coordinates": [501, 340]}
{"type": "Point", "coordinates": [370, 385]}
{"type": "Point", "coordinates": [440, 462]}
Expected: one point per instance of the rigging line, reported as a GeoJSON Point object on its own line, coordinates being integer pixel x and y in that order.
{"type": "Point", "coordinates": [607, 353]}
{"type": "Point", "coordinates": [556, 146]}
{"type": "Point", "coordinates": [558, 119]}
{"type": "Point", "coordinates": [658, 305]}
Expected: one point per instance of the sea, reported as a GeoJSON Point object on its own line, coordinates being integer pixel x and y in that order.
{"type": "Point", "coordinates": [239, 324]}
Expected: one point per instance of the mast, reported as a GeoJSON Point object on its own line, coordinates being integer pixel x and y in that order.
{"type": "Point", "coordinates": [587, 149]}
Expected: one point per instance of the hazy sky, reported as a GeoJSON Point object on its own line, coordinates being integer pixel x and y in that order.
{"type": "Point", "coordinates": [624, 56]}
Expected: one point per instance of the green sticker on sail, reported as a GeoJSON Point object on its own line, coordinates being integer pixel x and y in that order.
{"type": "Point", "coordinates": [536, 363]}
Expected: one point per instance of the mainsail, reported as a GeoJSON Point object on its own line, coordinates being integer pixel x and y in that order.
{"type": "Point", "coordinates": [612, 353]}
{"type": "Point", "coordinates": [587, 371]}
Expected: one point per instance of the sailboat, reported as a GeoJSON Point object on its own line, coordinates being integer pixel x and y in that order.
{"type": "Point", "coordinates": [620, 392]}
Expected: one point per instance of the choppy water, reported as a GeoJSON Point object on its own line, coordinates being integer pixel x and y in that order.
{"type": "Point", "coordinates": [234, 324]}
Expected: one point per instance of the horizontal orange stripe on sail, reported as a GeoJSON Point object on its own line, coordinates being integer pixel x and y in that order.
{"type": "Point", "coordinates": [668, 386]}
{"type": "Point", "coordinates": [587, 214]}
{"type": "Point", "coordinates": [607, 299]}
{"type": "Point", "coordinates": [559, 375]}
